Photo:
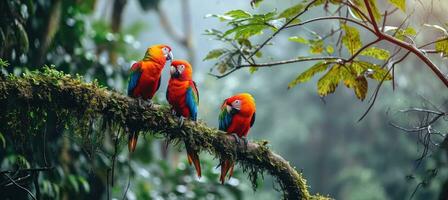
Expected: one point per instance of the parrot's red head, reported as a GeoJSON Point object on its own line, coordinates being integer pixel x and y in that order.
{"type": "Point", "coordinates": [181, 69]}
{"type": "Point", "coordinates": [159, 53]}
{"type": "Point", "coordinates": [243, 104]}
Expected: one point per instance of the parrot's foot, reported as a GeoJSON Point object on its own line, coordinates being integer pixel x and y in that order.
{"type": "Point", "coordinates": [140, 102]}
{"type": "Point", "coordinates": [149, 103]}
{"type": "Point", "coordinates": [173, 112]}
{"type": "Point", "coordinates": [181, 121]}
{"type": "Point", "coordinates": [237, 139]}
{"type": "Point", "coordinates": [245, 142]}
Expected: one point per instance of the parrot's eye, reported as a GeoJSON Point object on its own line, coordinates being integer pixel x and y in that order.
{"type": "Point", "coordinates": [165, 50]}
{"type": "Point", "coordinates": [181, 68]}
{"type": "Point", "coordinates": [236, 104]}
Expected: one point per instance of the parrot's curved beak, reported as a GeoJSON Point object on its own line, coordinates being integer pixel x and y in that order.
{"type": "Point", "coordinates": [169, 56]}
{"type": "Point", "coordinates": [231, 109]}
{"type": "Point", "coordinates": [176, 74]}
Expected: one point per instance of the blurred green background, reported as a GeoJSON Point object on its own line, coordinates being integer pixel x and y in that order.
{"type": "Point", "coordinates": [338, 156]}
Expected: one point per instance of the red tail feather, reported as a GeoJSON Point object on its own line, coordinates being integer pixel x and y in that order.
{"type": "Point", "coordinates": [194, 158]}
{"type": "Point", "coordinates": [225, 167]}
{"type": "Point", "coordinates": [133, 137]}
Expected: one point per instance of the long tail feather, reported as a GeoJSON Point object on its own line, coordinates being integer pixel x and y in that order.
{"type": "Point", "coordinates": [133, 137]}
{"type": "Point", "coordinates": [194, 158]}
{"type": "Point", "coordinates": [225, 167]}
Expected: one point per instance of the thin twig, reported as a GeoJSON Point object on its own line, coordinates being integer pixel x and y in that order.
{"type": "Point", "coordinates": [21, 187]}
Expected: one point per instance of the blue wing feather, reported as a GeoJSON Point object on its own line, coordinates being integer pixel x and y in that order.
{"type": "Point", "coordinates": [134, 78]}
{"type": "Point", "coordinates": [225, 119]}
{"type": "Point", "coordinates": [192, 100]}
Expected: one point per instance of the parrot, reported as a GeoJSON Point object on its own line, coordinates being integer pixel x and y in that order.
{"type": "Point", "coordinates": [183, 96]}
{"type": "Point", "coordinates": [145, 77]}
{"type": "Point", "coordinates": [236, 118]}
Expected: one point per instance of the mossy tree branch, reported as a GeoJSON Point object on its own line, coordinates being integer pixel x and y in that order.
{"type": "Point", "coordinates": [54, 90]}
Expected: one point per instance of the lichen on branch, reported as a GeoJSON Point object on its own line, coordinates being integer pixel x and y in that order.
{"type": "Point", "coordinates": [50, 90]}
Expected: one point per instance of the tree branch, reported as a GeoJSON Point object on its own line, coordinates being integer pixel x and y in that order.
{"type": "Point", "coordinates": [54, 90]}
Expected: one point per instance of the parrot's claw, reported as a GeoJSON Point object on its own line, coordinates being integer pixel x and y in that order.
{"type": "Point", "coordinates": [181, 121]}
{"type": "Point", "coordinates": [149, 103]}
{"type": "Point", "coordinates": [140, 102]}
{"type": "Point", "coordinates": [173, 112]}
{"type": "Point", "coordinates": [245, 142]}
{"type": "Point", "coordinates": [237, 139]}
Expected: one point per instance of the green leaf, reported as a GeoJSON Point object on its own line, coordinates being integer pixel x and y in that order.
{"type": "Point", "coordinates": [215, 53]}
{"type": "Point", "coordinates": [3, 63]}
{"type": "Point", "coordinates": [246, 31]}
{"type": "Point", "coordinates": [73, 183]}
{"type": "Point", "coordinates": [253, 69]}
{"type": "Point", "coordinates": [330, 49]}
{"type": "Point", "coordinates": [277, 23]}
{"type": "Point", "coordinates": [357, 83]}
{"type": "Point", "coordinates": [255, 3]}
{"type": "Point", "coordinates": [238, 14]}
{"type": "Point", "coordinates": [351, 39]}
{"type": "Point", "coordinates": [401, 4]}
{"type": "Point", "coordinates": [2, 140]}
{"type": "Point", "coordinates": [291, 11]}
{"type": "Point", "coordinates": [308, 74]}
{"type": "Point", "coordinates": [249, 31]}
{"type": "Point", "coordinates": [327, 84]}
{"type": "Point", "coordinates": [442, 46]}
{"type": "Point", "coordinates": [380, 54]}
{"type": "Point", "coordinates": [298, 39]}
{"type": "Point", "coordinates": [84, 183]}
{"type": "Point", "coordinates": [374, 71]}
{"type": "Point", "coordinates": [316, 46]}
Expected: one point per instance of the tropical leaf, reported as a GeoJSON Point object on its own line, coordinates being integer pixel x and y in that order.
{"type": "Point", "coordinates": [2, 141]}
{"type": "Point", "coordinates": [309, 73]}
{"type": "Point", "coordinates": [298, 40]}
{"type": "Point", "coordinates": [357, 83]}
{"type": "Point", "coordinates": [373, 71]}
{"type": "Point", "coordinates": [238, 14]}
{"type": "Point", "coordinates": [351, 38]}
{"type": "Point", "coordinates": [215, 53]}
{"type": "Point", "coordinates": [291, 11]}
{"type": "Point", "coordinates": [246, 31]}
{"type": "Point", "coordinates": [327, 84]}
{"type": "Point", "coordinates": [380, 54]}
{"type": "Point", "coordinates": [442, 46]}
{"type": "Point", "coordinates": [329, 49]}
{"type": "Point", "coordinates": [316, 46]}
{"type": "Point", "coordinates": [401, 4]}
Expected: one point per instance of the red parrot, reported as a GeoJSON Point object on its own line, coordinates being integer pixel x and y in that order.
{"type": "Point", "coordinates": [236, 118]}
{"type": "Point", "coordinates": [183, 96]}
{"type": "Point", "coordinates": [144, 80]}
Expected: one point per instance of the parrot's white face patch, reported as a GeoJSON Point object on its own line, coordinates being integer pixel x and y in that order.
{"type": "Point", "coordinates": [229, 108]}
{"type": "Point", "coordinates": [165, 51]}
{"type": "Point", "coordinates": [236, 104]}
{"type": "Point", "coordinates": [181, 68]}
{"type": "Point", "coordinates": [172, 69]}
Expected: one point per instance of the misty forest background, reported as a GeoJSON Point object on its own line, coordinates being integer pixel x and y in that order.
{"type": "Point", "coordinates": [339, 156]}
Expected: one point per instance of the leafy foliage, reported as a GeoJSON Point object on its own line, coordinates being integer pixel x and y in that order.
{"type": "Point", "coordinates": [442, 46]}
{"type": "Point", "coordinates": [356, 60]}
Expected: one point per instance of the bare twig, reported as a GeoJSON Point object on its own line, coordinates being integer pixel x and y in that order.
{"type": "Point", "coordinates": [21, 187]}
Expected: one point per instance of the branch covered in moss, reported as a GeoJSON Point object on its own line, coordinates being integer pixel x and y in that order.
{"type": "Point", "coordinates": [53, 90]}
